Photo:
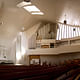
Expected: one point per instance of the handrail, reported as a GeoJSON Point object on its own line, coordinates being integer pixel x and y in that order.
{"type": "Point", "coordinates": [69, 24]}
{"type": "Point", "coordinates": [67, 31]}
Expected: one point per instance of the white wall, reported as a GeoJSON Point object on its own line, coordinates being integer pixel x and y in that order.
{"type": "Point", "coordinates": [8, 52]}
{"type": "Point", "coordinates": [56, 59]}
{"type": "Point", "coordinates": [27, 40]}
{"type": "Point", "coordinates": [31, 36]}
{"type": "Point", "coordinates": [12, 52]}
{"type": "Point", "coordinates": [24, 41]}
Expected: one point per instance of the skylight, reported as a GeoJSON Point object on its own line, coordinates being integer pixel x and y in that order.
{"type": "Point", "coordinates": [24, 4]}
{"type": "Point", "coordinates": [37, 13]}
{"type": "Point", "coordinates": [31, 8]}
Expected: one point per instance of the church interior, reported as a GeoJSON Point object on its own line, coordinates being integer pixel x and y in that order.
{"type": "Point", "coordinates": [39, 40]}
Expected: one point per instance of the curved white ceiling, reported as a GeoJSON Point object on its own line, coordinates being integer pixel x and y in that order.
{"type": "Point", "coordinates": [15, 18]}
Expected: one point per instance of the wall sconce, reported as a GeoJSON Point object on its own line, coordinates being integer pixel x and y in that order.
{"type": "Point", "coordinates": [65, 21]}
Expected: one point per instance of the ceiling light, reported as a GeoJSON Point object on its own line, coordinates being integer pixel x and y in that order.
{"type": "Point", "coordinates": [31, 8]}
{"type": "Point", "coordinates": [24, 3]}
{"type": "Point", "coordinates": [37, 13]}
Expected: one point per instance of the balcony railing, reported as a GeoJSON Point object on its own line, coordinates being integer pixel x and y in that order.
{"type": "Point", "coordinates": [66, 31]}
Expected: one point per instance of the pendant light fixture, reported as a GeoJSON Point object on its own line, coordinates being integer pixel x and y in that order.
{"type": "Point", "coordinates": [65, 21]}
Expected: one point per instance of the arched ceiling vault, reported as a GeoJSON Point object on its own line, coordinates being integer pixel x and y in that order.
{"type": "Point", "coordinates": [13, 18]}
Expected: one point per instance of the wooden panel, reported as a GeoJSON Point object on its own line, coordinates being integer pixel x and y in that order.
{"type": "Point", "coordinates": [34, 57]}
{"type": "Point", "coordinates": [44, 46]}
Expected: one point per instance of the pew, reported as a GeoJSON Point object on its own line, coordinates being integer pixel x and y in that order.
{"type": "Point", "coordinates": [15, 72]}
